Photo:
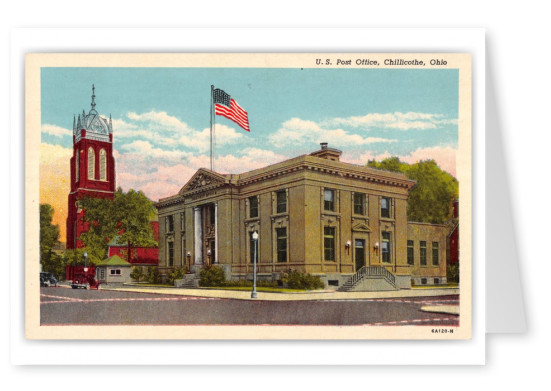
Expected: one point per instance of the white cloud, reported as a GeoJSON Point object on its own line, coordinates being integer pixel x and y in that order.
{"type": "Point", "coordinates": [164, 130]}
{"type": "Point", "coordinates": [162, 179]}
{"type": "Point", "coordinates": [297, 130]}
{"type": "Point", "coordinates": [396, 120]}
{"type": "Point", "coordinates": [56, 131]}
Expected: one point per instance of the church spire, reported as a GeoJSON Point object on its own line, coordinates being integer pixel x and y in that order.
{"type": "Point", "coordinates": [93, 101]}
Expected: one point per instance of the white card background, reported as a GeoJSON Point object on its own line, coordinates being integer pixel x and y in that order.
{"type": "Point", "coordinates": [290, 353]}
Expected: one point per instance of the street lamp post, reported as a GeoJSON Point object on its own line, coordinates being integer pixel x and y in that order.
{"type": "Point", "coordinates": [85, 255]}
{"type": "Point", "coordinates": [255, 238]}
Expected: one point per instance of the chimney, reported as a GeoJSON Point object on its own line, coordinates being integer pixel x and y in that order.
{"type": "Point", "coordinates": [327, 153]}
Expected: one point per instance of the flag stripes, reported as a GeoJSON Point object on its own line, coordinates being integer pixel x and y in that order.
{"type": "Point", "coordinates": [227, 107]}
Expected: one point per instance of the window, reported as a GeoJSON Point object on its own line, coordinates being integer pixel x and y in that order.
{"type": "Point", "coordinates": [115, 272]}
{"type": "Point", "coordinates": [212, 214]}
{"type": "Point", "coordinates": [423, 252]}
{"type": "Point", "coordinates": [385, 247]}
{"type": "Point", "coordinates": [182, 221]}
{"type": "Point", "coordinates": [253, 207]}
{"type": "Point", "coordinates": [281, 199]}
{"type": "Point", "coordinates": [434, 253]}
{"type": "Point", "coordinates": [102, 165]}
{"type": "Point", "coordinates": [329, 200]}
{"type": "Point", "coordinates": [329, 243]}
{"type": "Point", "coordinates": [410, 252]}
{"type": "Point", "coordinates": [77, 166]}
{"type": "Point", "coordinates": [170, 253]}
{"type": "Point", "coordinates": [281, 237]}
{"type": "Point", "coordinates": [251, 248]}
{"type": "Point", "coordinates": [91, 163]}
{"type": "Point", "coordinates": [385, 207]}
{"type": "Point", "coordinates": [359, 203]}
{"type": "Point", "coordinates": [170, 223]}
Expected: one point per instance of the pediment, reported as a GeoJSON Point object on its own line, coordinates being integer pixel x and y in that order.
{"type": "Point", "coordinates": [361, 227]}
{"type": "Point", "coordinates": [203, 179]}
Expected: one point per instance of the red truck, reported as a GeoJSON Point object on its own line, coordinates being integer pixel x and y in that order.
{"type": "Point", "coordinates": [82, 277]}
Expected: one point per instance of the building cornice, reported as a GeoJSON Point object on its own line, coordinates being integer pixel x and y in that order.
{"type": "Point", "coordinates": [344, 170]}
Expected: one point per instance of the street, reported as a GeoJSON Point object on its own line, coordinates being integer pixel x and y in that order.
{"type": "Point", "coordinates": [61, 306]}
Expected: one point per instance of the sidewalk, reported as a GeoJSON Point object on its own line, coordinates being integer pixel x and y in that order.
{"type": "Point", "coordinates": [308, 295]}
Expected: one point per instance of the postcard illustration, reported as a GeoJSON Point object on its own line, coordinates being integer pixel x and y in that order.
{"type": "Point", "coordinates": [239, 196]}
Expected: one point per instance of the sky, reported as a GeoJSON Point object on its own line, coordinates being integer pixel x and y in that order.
{"type": "Point", "coordinates": [161, 120]}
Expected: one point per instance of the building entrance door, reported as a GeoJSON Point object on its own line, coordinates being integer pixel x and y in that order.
{"type": "Point", "coordinates": [359, 253]}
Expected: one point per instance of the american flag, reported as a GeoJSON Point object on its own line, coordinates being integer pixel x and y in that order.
{"type": "Point", "coordinates": [225, 106]}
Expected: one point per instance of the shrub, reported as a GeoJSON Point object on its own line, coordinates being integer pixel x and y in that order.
{"type": "Point", "coordinates": [453, 272]}
{"type": "Point", "coordinates": [137, 273]}
{"type": "Point", "coordinates": [212, 276]}
{"type": "Point", "coordinates": [297, 280]}
{"type": "Point", "coordinates": [153, 276]}
{"type": "Point", "coordinates": [176, 274]}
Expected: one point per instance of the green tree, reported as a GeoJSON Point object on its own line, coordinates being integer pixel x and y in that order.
{"type": "Point", "coordinates": [128, 215]}
{"type": "Point", "coordinates": [430, 201]}
{"type": "Point", "coordinates": [49, 238]}
{"type": "Point", "coordinates": [49, 233]}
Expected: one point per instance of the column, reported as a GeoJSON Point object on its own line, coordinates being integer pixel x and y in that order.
{"type": "Point", "coordinates": [198, 236]}
{"type": "Point", "coordinates": [216, 232]}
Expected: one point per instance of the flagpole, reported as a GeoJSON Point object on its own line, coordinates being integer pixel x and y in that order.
{"type": "Point", "coordinates": [211, 127]}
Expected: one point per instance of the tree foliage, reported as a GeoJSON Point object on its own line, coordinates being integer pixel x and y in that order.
{"type": "Point", "coordinates": [430, 201]}
{"type": "Point", "coordinates": [49, 238]}
{"type": "Point", "coordinates": [49, 233]}
{"type": "Point", "coordinates": [128, 216]}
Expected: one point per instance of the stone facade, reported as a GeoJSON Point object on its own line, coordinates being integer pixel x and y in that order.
{"type": "Point", "coordinates": [313, 213]}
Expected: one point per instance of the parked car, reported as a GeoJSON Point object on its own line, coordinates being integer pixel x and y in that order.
{"type": "Point", "coordinates": [43, 282]}
{"type": "Point", "coordinates": [47, 279]}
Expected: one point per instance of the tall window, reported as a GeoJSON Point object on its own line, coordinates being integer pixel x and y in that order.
{"type": "Point", "coordinates": [385, 207]}
{"type": "Point", "coordinates": [434, 253]}
{"type": "Point", "coordinates": [212, 214]}
{"type": "Point", "coordinates": [423, 252]}
{"type": "Point", "coordinates": [77, 166]}
{"type": "Point", "coordinates": [170, 223]}
{"type": "Point", "coordinates": [91, 163]}
{"type": "Point", "coordinates": [329, 200]}
{"type": "Point", "coordinates": [170, 253]}
{"type": "Point", "coordinates": [329, 243]}
{"type": "Point", "coordinates": [102, 165]}
{"type": "Point", "coordinates": [281, 235]}
{"type": "Point", "coordinates": [281, 199]}
{"type": "Point", "coordinates": [386, 247]}
{"type": "Point", "coordinates": [182, 221]}
{"type": "Point", "coordinates": [253, 207]}
{"type": "Point", "coordinates": [359, 203]}
{"type": "Point", "coordinates": [410, 252]}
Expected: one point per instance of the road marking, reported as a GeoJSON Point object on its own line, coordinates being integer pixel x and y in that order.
{"type": "Point", "coordinates": [86, 301]}
{"type": "Point", "coordinates": [61, 297]}
{"type": "Point", "coordinates": [406, 322]}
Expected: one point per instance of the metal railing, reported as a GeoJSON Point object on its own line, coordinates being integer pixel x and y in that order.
{"type": "Point", "coordinates": [371, 271]}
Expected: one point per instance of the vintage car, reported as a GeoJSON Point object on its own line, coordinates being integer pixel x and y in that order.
{"type": "Point", "coordinates": [47, 279]}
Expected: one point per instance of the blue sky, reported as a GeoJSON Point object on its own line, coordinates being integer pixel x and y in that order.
{"type": "Point", "coordinates": [161, 118]}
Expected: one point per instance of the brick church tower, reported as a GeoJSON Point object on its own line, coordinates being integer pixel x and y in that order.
{"type": "Point", "coordinates": [92, 167]}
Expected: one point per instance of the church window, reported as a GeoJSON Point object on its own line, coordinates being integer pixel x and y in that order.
{"type": "Point", "coordinates": [102, 165]}
{"type": "Point", "coordinates": [91, 163]}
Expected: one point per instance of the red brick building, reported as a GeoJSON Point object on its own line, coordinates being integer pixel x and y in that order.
{"type": "Point", "coordinates": [139, 256]}
{"type": "Point", "coordinates": [92, 167]}
{"type": "Point", "coordinates": [93, 175]}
